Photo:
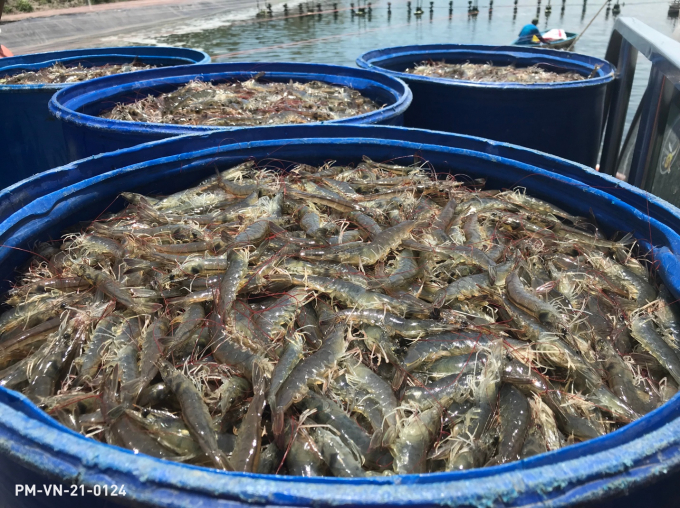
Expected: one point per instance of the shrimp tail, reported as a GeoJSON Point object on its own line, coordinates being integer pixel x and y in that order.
{"type": "Point", "coordinates": [389, 436]}
{"type": "Point", "coordinates": [376, 440]}
{"type": "Point", "coordinates": [398, 379]}
{"type": "Point", "coordinates": [277, 423]}
{"type": "Point", "coordinates": [134, 386]}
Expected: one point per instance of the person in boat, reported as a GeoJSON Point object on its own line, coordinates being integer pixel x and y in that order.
{"type": "Point", "coordinates": [528, 32]}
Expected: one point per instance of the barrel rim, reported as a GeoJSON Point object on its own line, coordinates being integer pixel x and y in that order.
{"type": "Point", "coordinates": [59, 103]}
{"type": "Point", "coordinates": [372, 59]}
{"type": "Point", "coordinates": [62, 451]}
{"type": "Point", "coordinates": [19, 430]}
{"type": "Point", "coordinates": [648, 203]}
{"type": "Point", "coordinates": [51, 57]}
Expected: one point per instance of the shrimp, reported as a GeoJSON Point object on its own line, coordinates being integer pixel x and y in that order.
{"type": "Point", "coordinates": [472, 285]}
{"type": "Point", "coordinates": [364, 254]}
{"type": "Point", "coordinates": [440, 225]}
{"type": "Point", "coordinates": [310, 222]}
{"type": "Point", "coordinates": [545, 312]}
{"type": "Point", "coordinates": [43, 376]}
{"type": "Point", "coordinates": [232, 281]}
{"type": "Point", "coordinates": [644, 332]}
{"type": "Point", "coordinates": [195, 413]}
{"type": "Point", "coordinates": [355, 296]}
{"type": "Point", "coordinates": [638, 288]}
{"type": "Point", "coordinates": [151, 351]}
{"type": "Point", "coordinates": [437, 346]}
{"type": "Point", "coordinates": [168, 429]}
{"type": "Point", "coordinates": [304, 456]}
{"type": "Point", "coordinates": [275, 320]}
{"type": "Point", "coordinates": [308, 325]}
{"type": "Point", "coordinates": [329, 413]}
{"type": "Point", "coordinates": [293, 352]}
{"type": "Point", "coordinates": [122, 430]}
{"type": "Point", "coordinates": [364, 378]}
{"type": "Point", "coordinates": [309, 371]}
{"type": "Point", "coordinates": [414, 440]}
{"type": "Point", "coordinates": [23, 342]}
{"type": "Point", "coordinates": [515, 415]}
{"type": "Point", "coordinates": [453, 388]}
{"type": "Point", "coordinates": [393, 324]}
{"type": "Point", "coordinates": [379, 341]}
{"type": "Point", "coordinates": [337, 456]}
{"type": "Point", "coordinates": [191, 319]}
{"type": "Point", "coordinates": [228, 351]}
{"type": "Point", "coordinates": [246, 454]}
{"type": "Point", "coordinates": [114, 289]}
{"type": "Point", "coordinates": [406, 268]}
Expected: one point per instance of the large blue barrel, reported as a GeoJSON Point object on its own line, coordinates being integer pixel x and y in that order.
{"type": "Point", "coordinates": [564, 119]}
{"type": "Point", "coordinates": [32, 139]}
{"type": "Point", "coordinates": [639, 460]}
{"type": "Point", "coordinates": [87, 134]}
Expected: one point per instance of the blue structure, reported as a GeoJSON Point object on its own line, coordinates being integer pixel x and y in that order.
{"type": "Point", "coordinates": [32, 139]}
{"type": "Point", "coordinates": [36, 449]}
{"type": "Point", "coordinates": [87, 134]}
{"type": "Point", "coordinates": [648, 156]}
{"type": "Point", "coordinates": [563, 119]}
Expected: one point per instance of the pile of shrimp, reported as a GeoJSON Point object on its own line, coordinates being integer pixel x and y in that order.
{"type": "Point", "coordinates": [59, 73]}
{"type": "Point", "coordinates": [491, 73]}
{"type": "Point", "coordinates": [249, 102]}
{"type": "Point", "coordinates": [350, 321]}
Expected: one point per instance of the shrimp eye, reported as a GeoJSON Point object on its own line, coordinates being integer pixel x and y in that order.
{"type": "Point", "coordinates": [145, 412]}
{"type": "Point", "coordinates": [195, 270]}
{"type": "Point", "coordinates": [82, 408]}
{"type": "Point", "coordinates": [63, 305]}
{"type": "Point", "coordinates": [435, 313]}
{"type": "Point", "coordinates": [172, 277]}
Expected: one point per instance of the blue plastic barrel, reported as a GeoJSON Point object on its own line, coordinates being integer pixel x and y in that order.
{"type": "Point", "coordinates": [32, 139]}
{"type": "Point", "coordinates": [87, 134]}
{"type": "Point", "coordinates": [639, 461]}
{"type": "Point", "coordinates": [564, 119]}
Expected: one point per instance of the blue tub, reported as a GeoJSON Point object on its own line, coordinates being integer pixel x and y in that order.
{"type": "Point", "coordinates": [564, 119]}
{"type": "Point", "coordinates": [87, 134]}
{"type": "Point", "coordinates": [32, 139]}
{"type": "Point", "coordinates": [639, 461]}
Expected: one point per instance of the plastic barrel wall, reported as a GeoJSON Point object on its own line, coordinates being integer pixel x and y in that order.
{"type": "Point", "coordinates": [564, 119]}
{"type": "Point", "coordinates": [640, 460]}
{"type": "Point", "coordinates": [32, 139]}
{"type": "Point", "coordinates": [87, 134]}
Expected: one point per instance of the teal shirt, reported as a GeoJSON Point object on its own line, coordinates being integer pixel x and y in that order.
{"type": "Point", "coordinates": [528, 32]}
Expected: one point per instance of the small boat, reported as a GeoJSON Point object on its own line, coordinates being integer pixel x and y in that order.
{"type": "Point", "coordinates": [674, 9]}
{"type": "Point", "coordinates": [556, 37]}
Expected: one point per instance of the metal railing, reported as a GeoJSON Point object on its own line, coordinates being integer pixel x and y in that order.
{"type": "Point", "coordinates": [645, 148]}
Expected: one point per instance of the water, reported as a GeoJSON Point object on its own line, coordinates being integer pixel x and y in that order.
{"type": "Point", "coordinates": [339, 38]}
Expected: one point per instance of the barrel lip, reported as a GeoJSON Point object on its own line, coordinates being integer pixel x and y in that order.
{"type": "Point", "coordinates": [619, 460]}
{"type": "Point", "coordinates": [375, 58]}
{"type": "Point", "coordinates": [63, 104]}
{"type": "Point", "coordinates": [40, 60]}
{"type": "Point", "coordinates": [59, 444]}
